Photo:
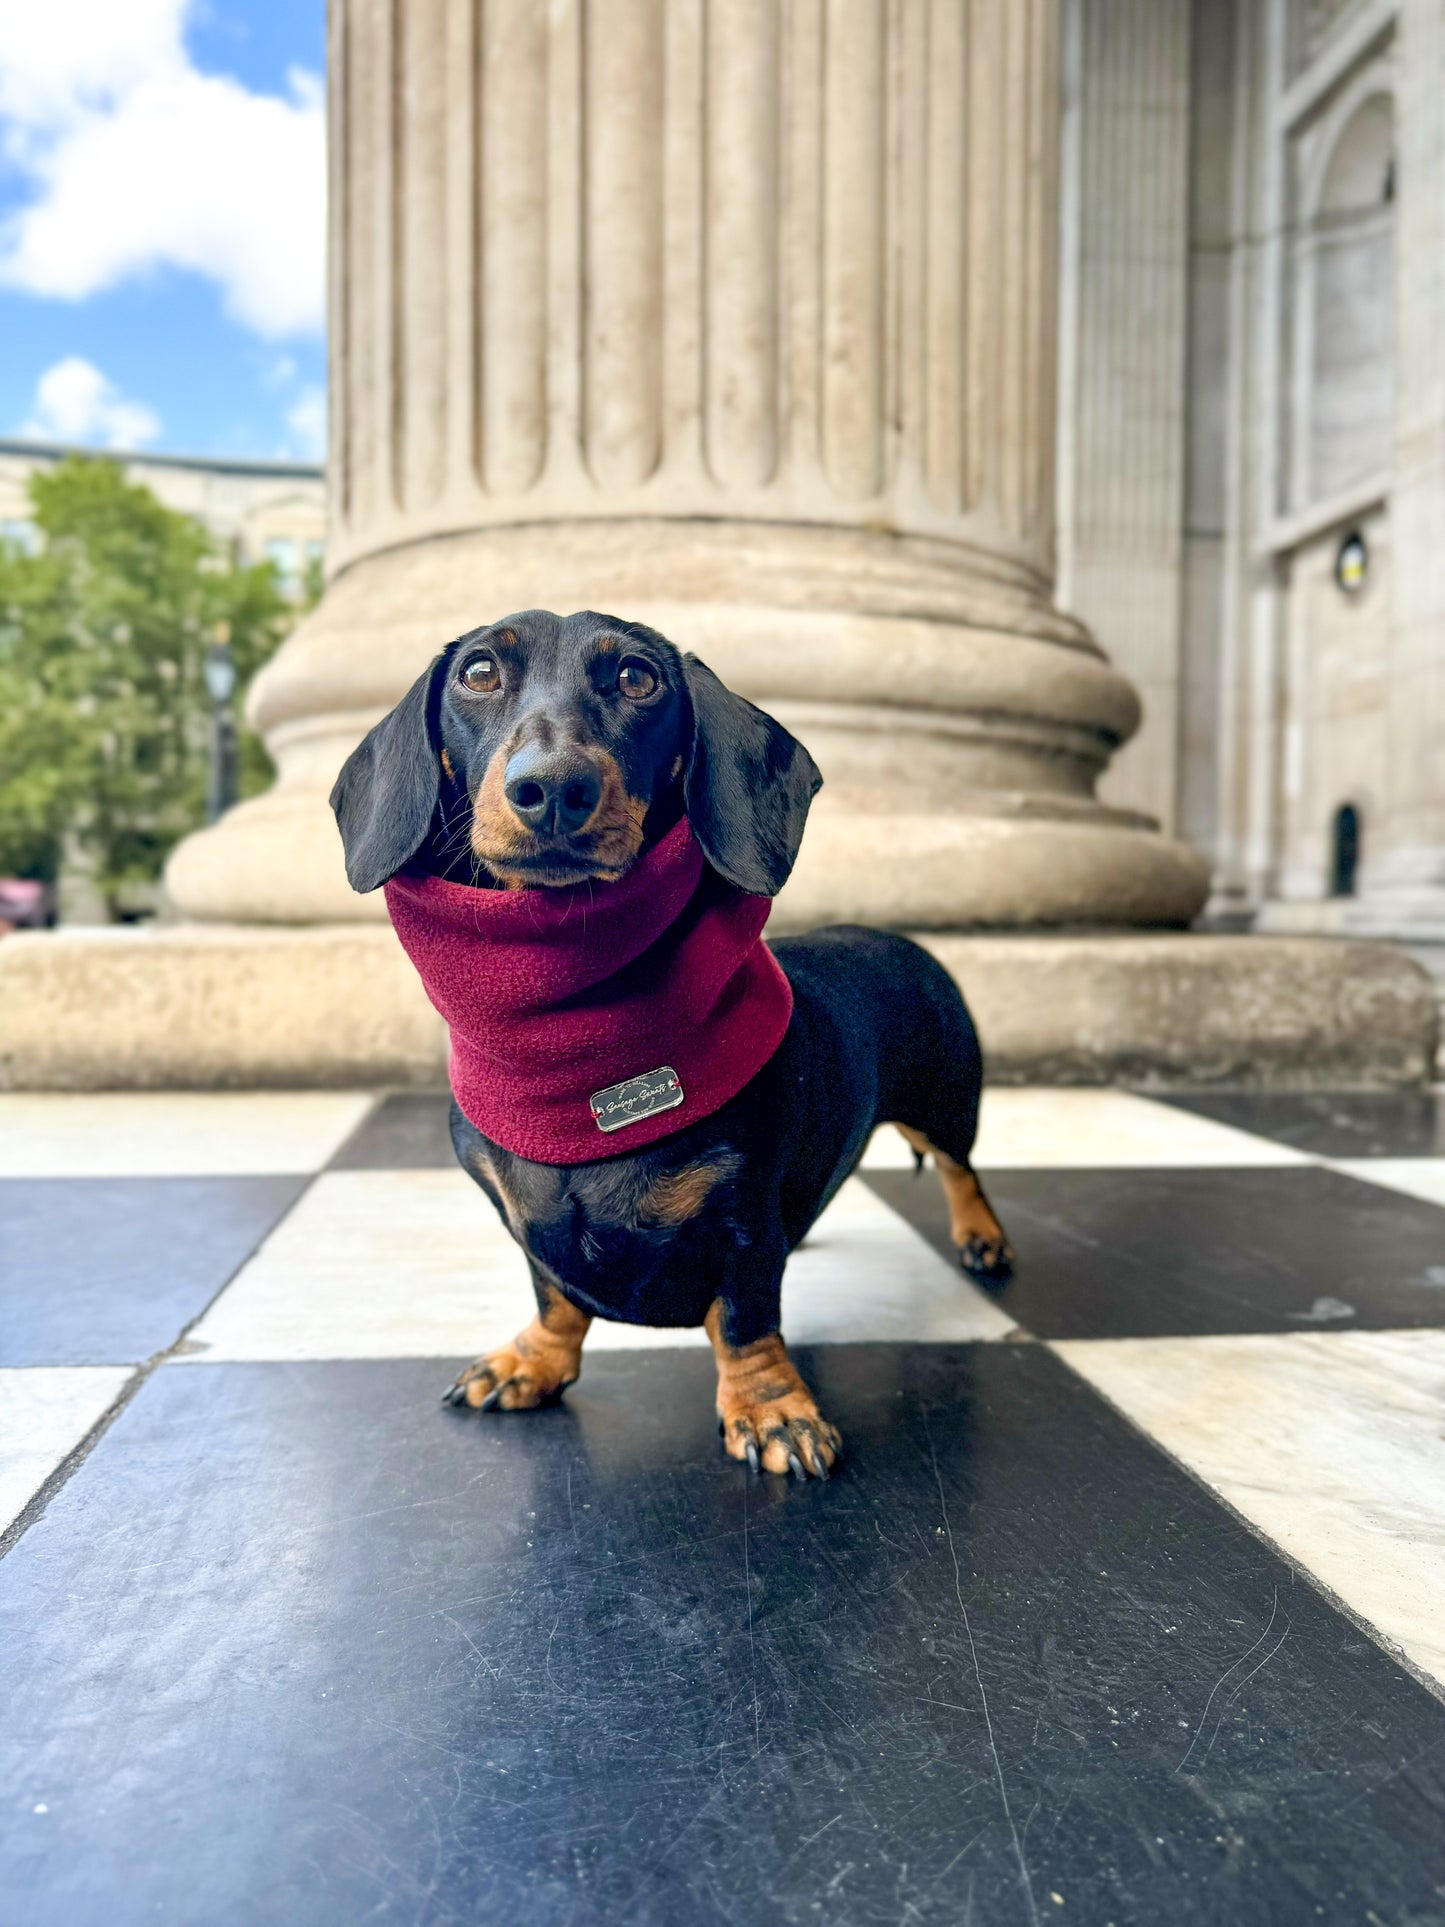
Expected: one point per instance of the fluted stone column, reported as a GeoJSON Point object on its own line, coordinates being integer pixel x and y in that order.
{"type": "Point", "coordinates": [1122, 361]}
{"type": "Point", "coordinates": [736, 317]}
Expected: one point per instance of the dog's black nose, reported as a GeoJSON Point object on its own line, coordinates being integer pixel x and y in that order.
{"type": "Point", "coordinates": [551, 794]}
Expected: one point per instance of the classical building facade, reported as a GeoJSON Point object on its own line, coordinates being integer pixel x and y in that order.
{"type": "Point", "coordinates": [263, 511]}
{"type": "Point", "coordinates": [951, 375]}
{"type": "Point", "coordinates": [954, 375]}
{"type": "Point", "coordinates": [1252, 436]}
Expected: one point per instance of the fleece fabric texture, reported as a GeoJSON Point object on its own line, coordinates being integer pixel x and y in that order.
{"type": "Point", "coordinates": [553, 995]}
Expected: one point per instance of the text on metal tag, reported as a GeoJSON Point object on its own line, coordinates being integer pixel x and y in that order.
{"type": "Point", "coordinates": [636, 1098]}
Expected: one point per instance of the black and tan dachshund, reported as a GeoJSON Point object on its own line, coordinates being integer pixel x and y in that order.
{"type": "Point", "coordinates": [543, 750]}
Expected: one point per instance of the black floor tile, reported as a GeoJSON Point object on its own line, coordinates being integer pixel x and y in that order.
{"type": "Point", "coordinates": [407, 1131]}
{"type": "Point", "coordinates": [298, 1644]}
{"type": "Point", "coordinates": [1329, 1124]}
{"type": "Point", "coordinates": [101, 1271]}
{"type": "Point", "coordinates": [1159, 1253]}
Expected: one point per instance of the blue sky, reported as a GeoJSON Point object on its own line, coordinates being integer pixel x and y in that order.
{"type": "Point", "coordinates": [161, 224]}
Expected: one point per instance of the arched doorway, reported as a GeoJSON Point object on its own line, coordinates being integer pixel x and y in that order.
{"type": "Point", "coordinates": [1344, 850]}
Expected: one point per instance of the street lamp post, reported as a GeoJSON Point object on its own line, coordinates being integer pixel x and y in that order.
{"type": "Point", "coordinates": [219, 670]}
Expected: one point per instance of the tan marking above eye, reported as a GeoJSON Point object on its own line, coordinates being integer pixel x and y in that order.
{"type": "Point", "coordinates": [636, 679]}
{"type": "Point", "coordinates": [481, 674]}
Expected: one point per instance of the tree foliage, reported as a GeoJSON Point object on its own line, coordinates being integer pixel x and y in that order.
{"type": "Point", "coordinates": [104, 714]}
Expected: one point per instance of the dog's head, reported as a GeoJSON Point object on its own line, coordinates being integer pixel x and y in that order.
{"type": "Point", "coordinates": [546, 749]}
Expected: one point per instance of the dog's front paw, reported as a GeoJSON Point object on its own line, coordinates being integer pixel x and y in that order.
{"type": "Point", "coordinates": [783, 1434]}
{"type": "Point", "coordinates": [515, 1378]}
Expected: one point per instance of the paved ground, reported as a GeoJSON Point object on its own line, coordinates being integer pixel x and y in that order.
{"type": "Point", "coordinates": [1129, 1604]}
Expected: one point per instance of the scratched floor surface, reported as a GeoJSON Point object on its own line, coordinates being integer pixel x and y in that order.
{"type": "Point", "coordinates": [1127, 1605]}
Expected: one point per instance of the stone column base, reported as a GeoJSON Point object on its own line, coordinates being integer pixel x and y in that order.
{"type": "Point", "coordinates": [225, 1007]}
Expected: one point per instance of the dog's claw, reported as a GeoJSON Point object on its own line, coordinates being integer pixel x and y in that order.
{"type": "Point", "coordinates": [802, 1446]}
{"type": "Point", "coordinates": [455, 1394]}
{"type": "Point", "coordinates": [492, 1400]}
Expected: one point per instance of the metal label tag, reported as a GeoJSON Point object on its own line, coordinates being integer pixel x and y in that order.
{"type": "Point", "coordinates": [637, 1098]}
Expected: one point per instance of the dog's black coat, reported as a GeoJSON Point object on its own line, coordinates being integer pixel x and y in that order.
{"type": "Point", "coordinates": [879, 1032]}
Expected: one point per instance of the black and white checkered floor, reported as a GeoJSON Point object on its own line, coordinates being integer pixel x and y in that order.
{"type": "Point", "coordinates": [1128, 1606]}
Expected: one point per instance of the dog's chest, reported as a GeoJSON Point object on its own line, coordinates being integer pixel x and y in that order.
{"type": "Point", "coordinates": [635, 1240]}
{"type": "Point", "coordinates": [623, 1273]}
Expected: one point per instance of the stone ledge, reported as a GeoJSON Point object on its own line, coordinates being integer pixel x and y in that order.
{"type": "Point", "coordinates": [1191, 1010]}
{"type": "Point", "coordinates": [214, 1006]}
{"type": "Point", "coordinates": [209, 1006]}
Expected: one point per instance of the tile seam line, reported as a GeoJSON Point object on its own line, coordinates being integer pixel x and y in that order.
{"type": "Point", "coordinates": [1351, 1614]}
{"type": "Point", "coordinates": [1016, 1335]}
{"type": "Point", "coordinates": [1350, 1167]}
{"type": "Point", "coordinates": [379, 1099]}
{"type": "Point", "coordinates": [1239, 1130]}
{"type": "Point", "coordinates": [141, 1373]}
{"type": "Point", "coordinates": [1298, 1161]}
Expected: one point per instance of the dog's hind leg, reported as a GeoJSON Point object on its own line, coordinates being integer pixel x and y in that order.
{"type": "Point", "coordinates": [983, 1250]}
{"type": "Point", "coordinates": [538, 1365]}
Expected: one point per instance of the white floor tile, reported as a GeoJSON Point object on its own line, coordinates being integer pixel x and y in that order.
{"type": "Point", "coordinates": [864, 1274]}
{"type": "Point", "coordinates": [415, 1264]}
{"type": "Point", "coordinates": [45, 1411]}
{"type": "Point", "coordinates": [374, 1264]}
{"type": "Point", "coordinates": [1418, 1177]}
{"type": "Point", "coordinates": [1332, 1443]}
{"type": "Point", "coordinates": [174, 1134]}
{"type": "Point", "coordinates": [1081, 1129]}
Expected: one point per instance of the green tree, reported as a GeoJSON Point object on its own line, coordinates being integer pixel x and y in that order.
{"type": "Point", "coordinates": [104, 715]}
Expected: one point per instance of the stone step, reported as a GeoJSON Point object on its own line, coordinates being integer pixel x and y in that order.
{"type": "Point", "coordinates": [201, 1006]}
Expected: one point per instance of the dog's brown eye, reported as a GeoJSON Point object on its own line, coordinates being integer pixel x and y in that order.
{"type": "Point", "coordinates": [481, 675]}
{"type": "Point", "coordinates": [636, 679]}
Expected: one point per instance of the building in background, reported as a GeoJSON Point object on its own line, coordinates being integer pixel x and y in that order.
{"type": "Point", "coordinates": [1230, 440]}
{"type": "Point", "coordinates": [1251, 225]}
{"type": "Point", "coordinates": [1252, 436]}
{"type": "Point", "coordinates": [1247, 482]}
{"type": "Point", "coordinates": [950, 377]}
{"type": "Point", "coordinates": [263, 511]}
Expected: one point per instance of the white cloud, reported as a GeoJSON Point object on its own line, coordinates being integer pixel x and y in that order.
{"type": "Point", "coordinates": [75, 402]}
{"type": "Point", "coordinates": [137, 160]}
{"type": "Point", "coordinates": [306, 420]}
{"type": "Point", "coordinates": [57, 60]}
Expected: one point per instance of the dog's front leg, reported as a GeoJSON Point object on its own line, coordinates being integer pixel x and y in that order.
{"type": "Point", "coordinates": [538, 1365]}
{"type": "Point", "coordinates": [768, 1415]}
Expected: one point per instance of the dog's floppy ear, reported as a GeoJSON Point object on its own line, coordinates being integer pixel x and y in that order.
{"type": "Point", "coordinates": [388, 789]}
{"type": "Point", "coordinates": [748, 785]}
